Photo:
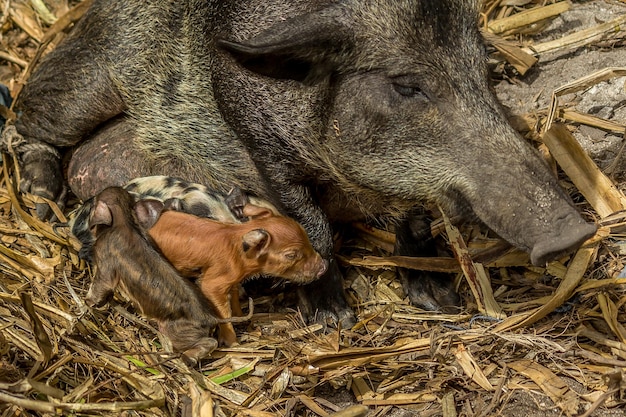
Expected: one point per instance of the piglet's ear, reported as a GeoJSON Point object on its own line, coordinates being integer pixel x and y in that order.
{"type": "Point", "coordinates": [148, 212]}
{"type": "Point", "coordinates": [173, 204]}
{"type": "Point", "coordinates": [236, 200]}
{"type": "Point", "coordinates": [257, 212]}
{"type": "Point", "coordinates": [101, 215]}
{"type": "Point", "coordinates": [256, 242]}
{"type": "Point", "coordinates": [305, 48]}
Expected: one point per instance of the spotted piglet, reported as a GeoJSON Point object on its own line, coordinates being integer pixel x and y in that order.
{"type": "Point", "coordinates": [189, 197]}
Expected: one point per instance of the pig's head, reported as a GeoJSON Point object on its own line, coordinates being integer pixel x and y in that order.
{"type": "Point", "coordinates": [410, 117]}
{"type": "Point", "coordinates": [280, 247]}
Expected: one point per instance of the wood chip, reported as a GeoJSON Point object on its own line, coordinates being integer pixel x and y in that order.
{"type": "Point", "coordinates": [471, 367]}
{"type": "Point", "coordinates": [527, 17]}
{"type": "Point", "coordinates": [597, 188]}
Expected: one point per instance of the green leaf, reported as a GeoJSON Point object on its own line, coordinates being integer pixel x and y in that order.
{"type": "Point", "coordinates": [142, 365]}
{"type": "Point", "coordinates": [235, 374]}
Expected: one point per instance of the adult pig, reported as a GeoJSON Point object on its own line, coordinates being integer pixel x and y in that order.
{"type": "Point", "coordinates": [334, 110]}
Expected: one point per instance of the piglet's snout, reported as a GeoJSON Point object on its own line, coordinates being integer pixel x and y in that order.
{"type": "Point", "coordinates": [313, 269]}
{"type": "Point", "coordinates": [322, 268]}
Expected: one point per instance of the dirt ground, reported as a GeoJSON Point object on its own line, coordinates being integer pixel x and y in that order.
{"type": "Point", "coordinates": [531, 92]}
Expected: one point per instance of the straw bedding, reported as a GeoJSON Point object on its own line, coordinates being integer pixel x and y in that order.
{"type": "Point", "coordinates": [529, 341]}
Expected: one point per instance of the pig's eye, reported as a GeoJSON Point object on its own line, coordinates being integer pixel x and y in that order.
{"type": "Point", "coordinates": [407, 91]}
{"type": "Point", "coordinates": [292, 256]}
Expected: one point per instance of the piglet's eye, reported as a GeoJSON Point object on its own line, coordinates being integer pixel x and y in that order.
{"type": "Point", "coordinates": [291, 256]}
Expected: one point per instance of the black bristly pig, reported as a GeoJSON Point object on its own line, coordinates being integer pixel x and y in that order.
{"type": "Point", "coordinates": [334, 110]}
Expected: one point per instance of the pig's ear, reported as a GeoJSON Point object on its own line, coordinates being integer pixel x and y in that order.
{"type": "Point", "coordinates": [306, 48]}
{"type": "Point", "coordinates": [236, 200]}
{"type": "Point", "coordinates": [257, 212]}
{"type": "Point", "coordinates": [256, 242]}
{"type": "Point", "coordinates": [148, 212]}
{"type": "Point", "coordinates": [173, 204]}
{"type": "Point", "coordinates": [101, 215]}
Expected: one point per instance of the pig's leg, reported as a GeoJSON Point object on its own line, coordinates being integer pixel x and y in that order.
{"type": "Point", "coordinates": [113, 156]}
{"type": "Point", "coordinates": [64, 100]}
{"type": "Point", "coordinates": [428, 290]}
{"type": "Point", "coordinates": [104, 283]}
{"type": "Point", "coordinates": [322, 300]}
{"type": "Point", "coordinates": [110, 157]}
{"type": "Point", "coordinates": [189, 337]}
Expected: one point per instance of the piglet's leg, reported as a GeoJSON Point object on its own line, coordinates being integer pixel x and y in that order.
{"type": "Point", "coordinates": [218, 296]}
{"type": "Point", "coordinates": [227, 336]}
{"type": "Point", "coordinates": [104, 283]}
{"type": "Point", "coordinates": [189, 337]}
{"type": "Point", "coordinates": [234, 301]}
{"type": "Point", "coordinates": [236, 200]}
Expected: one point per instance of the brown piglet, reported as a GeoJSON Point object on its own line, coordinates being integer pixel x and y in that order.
{"type": "Point", "coordinates": [123, 254]}
{"type": "Point", "coordinates": [224, 254]}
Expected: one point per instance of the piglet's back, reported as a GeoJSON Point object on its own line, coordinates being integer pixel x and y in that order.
{"type": "Point", "coordinates": [184, 239]}
{"type": "Point", "coordinates": [266, 244]}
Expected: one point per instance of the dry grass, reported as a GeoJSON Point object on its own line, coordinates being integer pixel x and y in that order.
{"type": "Point", "coordinates": [556, 332]}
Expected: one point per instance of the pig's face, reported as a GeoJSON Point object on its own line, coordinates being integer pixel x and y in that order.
{"type": "Point", "coordinates": [413, 108]}
{"type": "Point", "coordinates": [412, 118]}
{"type": "Point", "coordinates": [279, 246]}
{"type": "Point", "coordinates": [296, 263]}
{"type": "Point", "coordinates": [427, 126]}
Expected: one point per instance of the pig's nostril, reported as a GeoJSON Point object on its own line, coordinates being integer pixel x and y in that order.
{"type": "Point", "coordinates": [569, 239]}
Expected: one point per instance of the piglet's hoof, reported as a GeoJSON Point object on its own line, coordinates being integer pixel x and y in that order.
{"type": "Point", "coordinates": [236, 200]}
{"type": "Point", "coordinates": [201, 350]}
{"type": "Point", "coordinates": [96, 299]}
{"type": "Point", "coordinates": [189, 361]}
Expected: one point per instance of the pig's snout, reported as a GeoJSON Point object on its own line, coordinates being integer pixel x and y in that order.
{"type": "Point", "coordinates": [322, 267]}
{"type": "Point", "coordinates": [573, 231]}
{"type": "Point", "coordinates": [314, 269]}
